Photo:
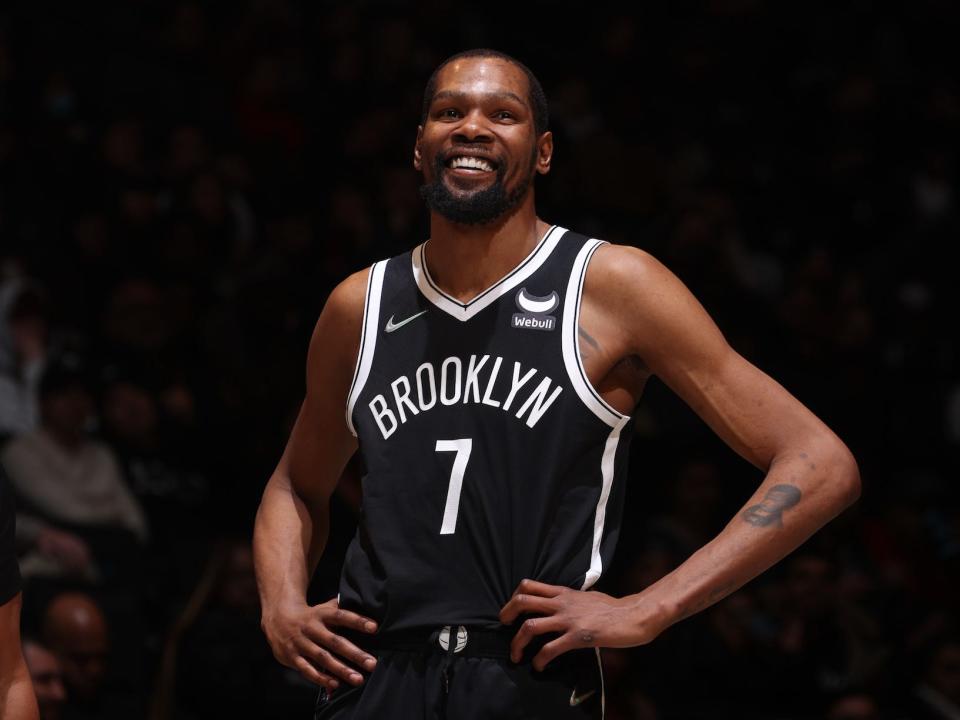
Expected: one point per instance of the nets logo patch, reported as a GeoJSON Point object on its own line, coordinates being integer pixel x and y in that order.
{"type": "Point", "coordinates": [536, 311]}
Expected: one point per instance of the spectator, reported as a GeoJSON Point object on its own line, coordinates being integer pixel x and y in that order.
{"type": "Point", "coordinates": [47, 676]}
{"type": "Point", "coordinates": [23, 343]}
{"type": "Point", "coordinates": [75, 502]}
{"type": "Point", "coordinates": [76, 630]}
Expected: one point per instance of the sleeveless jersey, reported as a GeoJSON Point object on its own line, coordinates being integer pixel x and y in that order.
{"type": "Point", "coordinates": [489, 456]}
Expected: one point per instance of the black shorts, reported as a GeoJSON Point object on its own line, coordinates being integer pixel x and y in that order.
{"type": "Point", "coordinates": [420, 677]}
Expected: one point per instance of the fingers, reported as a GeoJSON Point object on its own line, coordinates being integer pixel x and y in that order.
{"type": "Point", "coordinates": [345, 618]}
{"type": "Point", "coordinates": [554, 648]}
{"type": "Point", "coordinates": [324, 660]}
{"type": "Point", "coordinates": [313, 675]}
{"type": "Point", "coordinates": [341, 646]}
{"type": "Point", "coordinates": [522, 603]}
{"type": "Point", "coordinates": [529, 630]}
{"type": "Point", "coordinates": [535, 587]}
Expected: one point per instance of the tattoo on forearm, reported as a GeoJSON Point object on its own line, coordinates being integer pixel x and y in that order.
{"type": "Point", "coordinates": [770, 510]}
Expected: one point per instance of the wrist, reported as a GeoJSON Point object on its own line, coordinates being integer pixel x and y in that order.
{"type": "Point", "coordinates": [281, 606]}
{"type": "Point", "coordinates": [648, 615]}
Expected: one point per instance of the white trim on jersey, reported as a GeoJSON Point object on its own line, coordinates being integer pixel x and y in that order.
{"type": "Point", "coordinates": [571, 343]}
{"type": "Point", "coordinates": [573, 362]}
{"type": "Point", "coordinates": [464, 311]}
{"type": "Point", "coordinates": [368, 338]}
{"type": "Point", "coordinates": [607, 468]}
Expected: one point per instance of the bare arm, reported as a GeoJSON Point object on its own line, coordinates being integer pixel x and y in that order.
{"type": "Point", "coordinates": [293, 518]}
{"type": "Point", "coordinates": [17, 701]}
{"type": "Point", "coordinates": [811, 476]}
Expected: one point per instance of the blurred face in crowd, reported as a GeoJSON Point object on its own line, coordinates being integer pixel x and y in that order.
{"type": "Point", "coordinates": [47, 678]}
{"type": "Point", "coordinates": [130, 412]}
{"type": "Point", "coordinates": [478, 148]}
{"type": "Point", "coordinates": [68, 411]}
{"type": "Point", "coordinates": [77, 632]}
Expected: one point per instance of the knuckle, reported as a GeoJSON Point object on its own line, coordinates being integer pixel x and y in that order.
{"type": "Point", "coordinates": [530, 624]}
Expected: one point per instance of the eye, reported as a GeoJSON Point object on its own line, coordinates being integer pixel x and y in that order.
{"type": "Point", "coordinates": [503, 115]}
{"type": "Point", "coordinates": [448, 114]}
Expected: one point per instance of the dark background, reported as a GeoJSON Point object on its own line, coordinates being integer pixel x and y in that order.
{"type": "Point", "coordinates": [183, 183]}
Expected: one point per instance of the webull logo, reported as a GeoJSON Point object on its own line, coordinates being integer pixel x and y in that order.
{"type": "Point", "coordinates": [536, 309]}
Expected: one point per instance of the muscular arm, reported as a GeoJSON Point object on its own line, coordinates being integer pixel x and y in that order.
{"type": "Point", "coordinates": [293, 518]}
{"type": "Point", "coordinates": [811, 476]}
{"type": "Point", "coordinates": [640, 309]}
{"type": "Point", "coordinates": [17, 701]}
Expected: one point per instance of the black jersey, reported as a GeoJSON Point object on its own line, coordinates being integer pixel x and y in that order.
{"type": "Point", "coordinates": [489, 456]}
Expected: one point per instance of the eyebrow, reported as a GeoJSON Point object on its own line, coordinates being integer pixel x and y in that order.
{"type": "Point", "coordinates": [456, 95]}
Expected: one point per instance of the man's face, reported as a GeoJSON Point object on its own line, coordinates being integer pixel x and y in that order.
{"type": "Point", "coordinates": [47, 680]}
{"type": "Point", "coordinates": [478, 149]}
{"type": "Point", "coordinates": [83, 658]}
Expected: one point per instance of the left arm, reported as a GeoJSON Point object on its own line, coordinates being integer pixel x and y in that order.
{"type": "Point", "coordinates": [17, 701]}
{"type": "Point", "coordinates": [811, 476]}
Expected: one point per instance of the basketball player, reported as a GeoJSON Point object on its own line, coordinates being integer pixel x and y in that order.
{"type": "Point", "coordinates": [487, 378]}
{"type": "Point", "coordinates": [17, 701]}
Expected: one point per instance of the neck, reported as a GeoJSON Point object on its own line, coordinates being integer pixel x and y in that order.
{"type": "Point", "coordinates": [464, 260]}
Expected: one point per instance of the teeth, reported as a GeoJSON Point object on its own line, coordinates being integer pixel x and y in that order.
{"type": "Point", "coordinates": [474, 163]}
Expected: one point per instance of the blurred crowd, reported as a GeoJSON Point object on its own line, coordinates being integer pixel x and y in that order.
{"type": "Point", "coordinates": [182, 183]}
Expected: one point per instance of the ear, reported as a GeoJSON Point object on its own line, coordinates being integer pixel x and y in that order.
{"type": "Point", "coordinates": [417, 158]}
{"type": "Point", "coordinates": [544, 152]}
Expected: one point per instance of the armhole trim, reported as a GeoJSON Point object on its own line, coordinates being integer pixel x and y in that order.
{"type": "Point", "coordinates": [571, 345]}
{"type": "Point", "coordinates": [608, 463]}
{"type": "Point", "coordinates": [368, 338]}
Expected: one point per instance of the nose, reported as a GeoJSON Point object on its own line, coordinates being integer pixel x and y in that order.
{"type": "Point", "coordinates": [473, 128]}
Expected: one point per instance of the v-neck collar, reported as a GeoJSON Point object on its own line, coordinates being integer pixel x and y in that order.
{"type": "Point", "coordinates": [464, 311]}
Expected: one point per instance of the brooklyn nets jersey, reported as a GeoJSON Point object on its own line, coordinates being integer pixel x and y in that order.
{"type": "Point", "coordinates": [489, 456]}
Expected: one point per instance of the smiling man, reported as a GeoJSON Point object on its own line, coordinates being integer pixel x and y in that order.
{"type": "Point", "coordinates": [488, 377]}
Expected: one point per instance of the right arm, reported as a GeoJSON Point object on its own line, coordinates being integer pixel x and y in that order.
{"type": "Point", "coordinates": [293, 518]}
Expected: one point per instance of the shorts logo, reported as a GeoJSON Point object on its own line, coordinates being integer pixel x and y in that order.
{"type": "Point", "coordinates": [461, 638]}
{"type": "Point", "coordinates": [535, 315]}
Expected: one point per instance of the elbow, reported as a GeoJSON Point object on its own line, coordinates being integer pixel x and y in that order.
{"type": "Point", "coordinates": [846, 474]}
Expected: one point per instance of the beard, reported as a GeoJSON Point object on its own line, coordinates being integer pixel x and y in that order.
{"type": "Point", "coordinates": [478, 208]}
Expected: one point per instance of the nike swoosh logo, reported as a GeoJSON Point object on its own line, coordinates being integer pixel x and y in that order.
{"type": "Point", "coordinates": [577, 699]}
{"type": "Point", "coordinates": [391, 325]}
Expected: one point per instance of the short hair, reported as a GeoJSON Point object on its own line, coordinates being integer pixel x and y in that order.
{"type": "Point", "coordinates": [535, 94]}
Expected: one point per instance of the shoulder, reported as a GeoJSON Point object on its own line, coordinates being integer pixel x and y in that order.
{"type": "Point", "coordinates": [629, 279]}
{"type": "Point", "coordinates": [22, 448]}
{"type": "Point", "coordinates": [653, 312]}
{"type": "Point", "coordinates": [624, 268]}
{"type": "Point", "coordinates": [336, 337]}
{"type": "Point", "coordinates": [342, 313]}
{"type": "Point", "coordinates": [347, 299]}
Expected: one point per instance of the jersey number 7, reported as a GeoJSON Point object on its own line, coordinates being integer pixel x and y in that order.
{"type": "Point", "coordinates": [462, 448]}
